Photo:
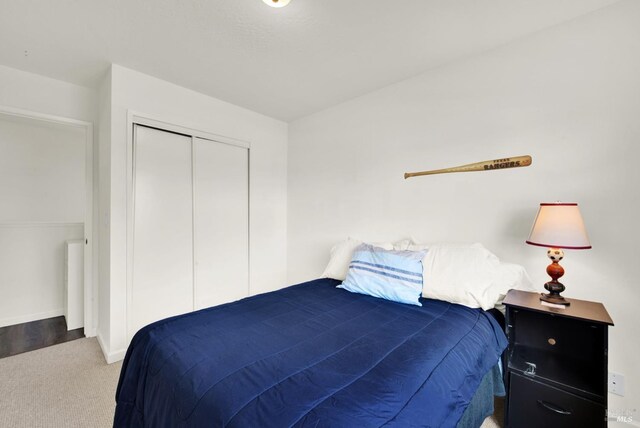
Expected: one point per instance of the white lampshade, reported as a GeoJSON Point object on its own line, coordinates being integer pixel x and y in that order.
{"type": "Point", "coordinates": [559, 225]}
{"type": "Point", "coordinates": [277, 3]}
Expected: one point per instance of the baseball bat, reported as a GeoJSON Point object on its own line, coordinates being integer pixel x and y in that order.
{"type": "Point", "coordinates": [514, 162]}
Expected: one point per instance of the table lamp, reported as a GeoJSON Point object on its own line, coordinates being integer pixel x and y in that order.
{"type": "Point", "coordinates": [557, 226]}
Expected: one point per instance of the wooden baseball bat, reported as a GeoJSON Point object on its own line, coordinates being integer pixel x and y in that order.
{"type": "Point", "coordinates": [514, 162]}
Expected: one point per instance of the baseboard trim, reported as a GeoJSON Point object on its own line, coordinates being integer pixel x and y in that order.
{"type": "Point", "coordinates": [89, 332]}
{"type": "Point", "coordinates": [110, 357]}
{"type": "Point", "coordinates": [5, 322]}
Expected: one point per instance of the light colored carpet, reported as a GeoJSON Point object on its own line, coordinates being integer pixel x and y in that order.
{"type": "Point", "coordinates": [66, 385]}
{"type": "Point", "coordinates": [70, 385]}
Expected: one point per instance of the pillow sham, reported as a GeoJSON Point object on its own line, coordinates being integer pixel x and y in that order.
{"type": "Point", "coordinates": [387, 274]}
{"type": "Point", "coordinates": [470, 275]}
{"type": "Point", "coordinates": [341, 255]}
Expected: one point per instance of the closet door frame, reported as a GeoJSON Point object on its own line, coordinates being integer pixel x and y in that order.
{"type": "Point", "coordinates": [135, 118]}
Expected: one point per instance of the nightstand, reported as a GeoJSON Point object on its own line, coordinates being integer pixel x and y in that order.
{"type": "Point", "coordinates": [555, 363]}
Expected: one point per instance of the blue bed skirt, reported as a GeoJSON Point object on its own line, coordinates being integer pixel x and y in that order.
{"type": "Point", "coordinates": [309, 355]}
{"type": "Point", "coordinates": [482, 403]}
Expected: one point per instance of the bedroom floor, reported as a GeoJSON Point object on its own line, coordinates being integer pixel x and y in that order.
{"type": "Point", "coordinates": [70, 385]}
{"type": "Point", "coordinates": [66, 385]}
{"type": "Point", "coordinates": [19, 338]}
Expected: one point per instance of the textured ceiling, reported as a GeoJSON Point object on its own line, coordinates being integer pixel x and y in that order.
{"type": "Point", "coordinates": [285, 63]}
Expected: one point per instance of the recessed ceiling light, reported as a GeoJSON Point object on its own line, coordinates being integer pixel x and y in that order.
{"type": "Point", "coordinates": [277, 3]}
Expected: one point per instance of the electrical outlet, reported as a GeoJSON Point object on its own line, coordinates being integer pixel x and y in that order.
{"type": "Point", "coordinates": [616, 383]}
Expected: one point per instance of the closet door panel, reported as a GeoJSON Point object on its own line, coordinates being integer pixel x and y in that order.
{"type": "Point", "coordinates": [162, 280]}
{"type": "Point", "coordinates": [221, 180]}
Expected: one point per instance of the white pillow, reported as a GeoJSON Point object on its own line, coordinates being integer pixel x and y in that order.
{"type": "Point", "coordinates": [418, 247]}
{"type": "Point", "coordinates": [403, 245]}
{"type": "Point", "coordinates": [508, 276]}
{"type": "Point", "coordinates": [469, 275]}
{"type": "Point", "coordinates": [341, 255]}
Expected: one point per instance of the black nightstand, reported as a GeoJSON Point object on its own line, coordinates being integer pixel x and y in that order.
{"type": "Point", "coordinates": [556, 363]}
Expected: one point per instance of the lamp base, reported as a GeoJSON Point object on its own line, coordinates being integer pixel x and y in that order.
{"type": "Point", "coordinates": [555, 271]}
{"type": "Point", "coordinates": [554, 288]}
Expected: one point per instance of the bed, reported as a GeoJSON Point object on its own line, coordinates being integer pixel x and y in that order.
{"type": "Point", "coordinates": [313, 355]}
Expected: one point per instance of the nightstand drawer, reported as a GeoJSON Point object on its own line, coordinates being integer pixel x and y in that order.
{"type": "Point", "coordinates": [533, 404]}
{"type": "Point", "coordinates": [569, 352]}
{"type": "Point", "coordinates": [555, 333]}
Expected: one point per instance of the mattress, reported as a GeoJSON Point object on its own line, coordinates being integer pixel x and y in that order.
{"type": "Point", "coordinates": [308, 355]}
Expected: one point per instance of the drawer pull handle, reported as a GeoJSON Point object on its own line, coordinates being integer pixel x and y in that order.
{"type": "Point", "coordinates": [554, 408]}
{"type": "Point", "coordinates": [531, 369]}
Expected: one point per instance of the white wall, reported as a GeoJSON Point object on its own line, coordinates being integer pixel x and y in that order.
{"type": "Point", "coordinates": [28, 91]}
{"type": "Point", "coordinates": [41, 171]}
{"type": "Point", "coordinates": [146, 95]}
{"type": "Point", "coordinates": [569, 96]}
{"type": "Point", "coordinates": [103, 332]}
{"type": "Point", "coordinates": [34, 93]}
{"type": "Point", "coordinates": [32, 270]}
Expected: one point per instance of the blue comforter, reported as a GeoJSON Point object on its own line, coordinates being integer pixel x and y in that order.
{"type": "Point", "coordinates": [308, 355]}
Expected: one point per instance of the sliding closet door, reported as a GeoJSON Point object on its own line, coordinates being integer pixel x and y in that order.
{"type": "Point", "coordinates": [162, 277]}
{"type": "Point", "coordinates": [221, 216]}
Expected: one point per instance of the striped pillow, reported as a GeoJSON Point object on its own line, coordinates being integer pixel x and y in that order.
{"type": "Point", "coordinates": [389, 274]}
